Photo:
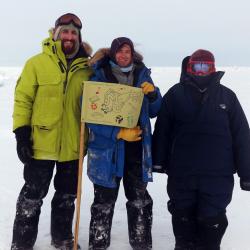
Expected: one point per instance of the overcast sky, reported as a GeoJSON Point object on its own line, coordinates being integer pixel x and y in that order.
{"type": "Point", "coordinates": [164, 31]}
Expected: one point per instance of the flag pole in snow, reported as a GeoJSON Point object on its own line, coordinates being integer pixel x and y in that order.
{"type": "Point", "coordinates": [79, 185]}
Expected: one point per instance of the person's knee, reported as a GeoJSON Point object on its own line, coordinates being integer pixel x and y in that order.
{"type": "Point", "coordinates": [63, 201]}
{"type": "Point", "coordinates": [183, 221]}
{"type": "Point", "coordinates": [27, 206]}
{"type": "Point", "coordinates": [103, 195]}
{"type": "Point", "coordinates": [104, 200]}
{"type": "Point", "coordinates": [211, 230]}
{"type": "Point", "coordinates": [66, 178]}
{"type": "Point", "coordinates": [184, 226]}
{"type": "Point", "coordinates": [33, 192]}
{"type": "Point", "coordinates": [146, 203]}
{"type": "Point", "coordinates": [219, 220]}
{"type": "Point", "coordinates": [37, 178]}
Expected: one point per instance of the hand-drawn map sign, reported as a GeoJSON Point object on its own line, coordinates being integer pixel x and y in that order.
{"type": "Point", "coordinates": [111, 104]}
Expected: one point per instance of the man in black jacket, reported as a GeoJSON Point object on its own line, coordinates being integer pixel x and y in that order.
{"type": "Point", "coordinates": [201, 139]}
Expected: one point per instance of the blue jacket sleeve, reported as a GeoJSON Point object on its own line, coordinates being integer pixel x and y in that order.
{"type": "Point", "coordinates": [154, 99]}
{"type": "Point", "coordinates": [107, 131]}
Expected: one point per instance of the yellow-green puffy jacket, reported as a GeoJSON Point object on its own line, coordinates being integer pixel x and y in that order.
{"type": "Point", "coordinates": [48, 98]}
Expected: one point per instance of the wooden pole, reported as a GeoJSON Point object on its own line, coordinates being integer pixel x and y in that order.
{"type": "Point", "coordinates": [79, 186]}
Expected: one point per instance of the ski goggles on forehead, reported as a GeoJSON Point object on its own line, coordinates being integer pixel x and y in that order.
{"type": "Point", "coordinates": [201, 68]}
{"type": "Point", "coordinates": [67, 19]}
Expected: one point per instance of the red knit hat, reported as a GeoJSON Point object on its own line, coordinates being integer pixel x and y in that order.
{"type": "Point", "coordinates": [204, 57]}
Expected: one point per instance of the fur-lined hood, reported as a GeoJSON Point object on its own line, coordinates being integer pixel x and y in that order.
{"type": "Point", "coordinates": [88, 49]}
{"type": "Point", "coordinates": [104, 53]}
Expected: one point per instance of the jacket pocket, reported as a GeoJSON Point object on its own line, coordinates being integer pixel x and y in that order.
{"type": "Point", "coordinates": [101, 167]}
{"type": "Point", "coordinates": [48, 103]}
{"type": "Point", "coordinates": [45, 138]}
{"type": "Point", "coordinates": [73, 137]}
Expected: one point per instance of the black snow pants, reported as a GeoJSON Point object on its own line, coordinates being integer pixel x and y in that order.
{"type": "Point", "coordinates": [198, 207]}
{"type": "Point", "coordinates": [37, 176]}
{"type": "Point", "coordinates": [139, 210]}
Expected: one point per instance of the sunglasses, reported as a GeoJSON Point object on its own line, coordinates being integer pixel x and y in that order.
{"type": "Point", "coordinates": [67, 19]}
{"type": "Point", "coordinates": [201, 68]}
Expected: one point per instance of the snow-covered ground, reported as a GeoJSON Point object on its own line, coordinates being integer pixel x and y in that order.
{"type": "Point", "coordinates": [237, 236]}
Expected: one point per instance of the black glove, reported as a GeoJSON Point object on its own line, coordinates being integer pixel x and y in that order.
{"type": "Point", "coordinates": [24, 144]}
{"type": "Point", "coordinates": [159, 169]}
{"type": "Point", "coordinates": [245, 184]}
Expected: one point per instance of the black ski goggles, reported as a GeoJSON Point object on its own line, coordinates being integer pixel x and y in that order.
{"type": "Point", "coordinates": [67, 19]}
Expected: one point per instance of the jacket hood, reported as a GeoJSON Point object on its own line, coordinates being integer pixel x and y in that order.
{"type": "Point", "coordinates": [102, 55]}
{"type": "Point", "coordinates": [184, 69]}
{"type": "Point", "coordinates": [88, 49]}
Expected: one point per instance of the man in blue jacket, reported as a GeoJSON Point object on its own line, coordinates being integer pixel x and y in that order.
{"type": "Point", "coordinates": [201, 139]}
{"type": "Point", "coordinates": [115, 153]}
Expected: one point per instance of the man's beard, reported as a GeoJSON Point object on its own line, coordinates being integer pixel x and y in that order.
{"type": "Point", "coordinates": [69, 48]}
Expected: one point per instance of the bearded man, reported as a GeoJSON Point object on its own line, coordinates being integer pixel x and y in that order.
{"type": "Point", "coordinates": [46, 122]}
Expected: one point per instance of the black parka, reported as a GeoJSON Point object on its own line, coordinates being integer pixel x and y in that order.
{"type": "Point", "coordinates": [202, 132]}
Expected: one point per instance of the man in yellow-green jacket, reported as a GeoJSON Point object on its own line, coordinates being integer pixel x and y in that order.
{"type": "Point", "coordinates": [46, 122]}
